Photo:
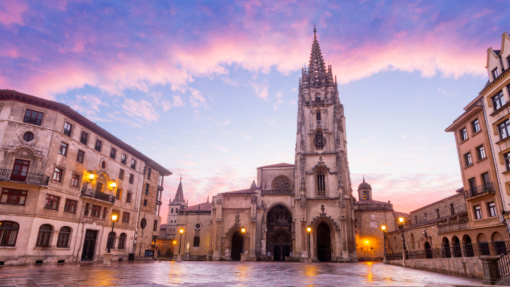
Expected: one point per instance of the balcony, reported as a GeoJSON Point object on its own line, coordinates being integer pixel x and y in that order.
{"type": "Point", "coordinates": [314, 103]}
{"type": "Point", "coordinates": [98, 195]}
{"type": "Point", "coordinates": [23, 177]}
{"type": "Point", "coordinates": [483, 189]}
{"type": "Point", "coordinates": [160, 188]}
{"type": "Point", "coordinates": [276, 192]}
{"type": "Point", "coordinates": [158, 202]}
{"type": "Point", "coordinates": [454, 226]}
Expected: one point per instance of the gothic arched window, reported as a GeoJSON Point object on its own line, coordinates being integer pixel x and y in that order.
{"type": "Point", "coordinates": [196, 241]}
{"type": "Point", "coordinates": [318, 116]}
{"type": "Point", "coordinates": [281, 183]}
{"type": "Point", "coordinates": [320, 140]}
{"type": "Point", "coordinates": [317, 97]}
{"type": "Point", "coordinates": [321, 183]}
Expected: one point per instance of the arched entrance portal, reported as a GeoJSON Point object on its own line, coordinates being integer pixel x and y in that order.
{"type": "Point", "coordinates": [279, 233]}
{"type": "Point", "coordinates": [237, 246]}
{"type": "Point", "coordinates": [323, 243]}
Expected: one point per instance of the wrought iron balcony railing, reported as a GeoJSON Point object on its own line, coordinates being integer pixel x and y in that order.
{"type": "Point", "coordinates": [67, 132]}
{"type": "Point", "coordinates": [454, 226]}
{"type": "Point", "coordinates": [24, 177]}
{"type": "Point", "coordinates": [481, 189]}
{"type": "Point", "coordinates": [276, 192]}
{"type": "Point", "coordinates": [160, 188]}
{"type": "Point", "coordinates": [98, 195]}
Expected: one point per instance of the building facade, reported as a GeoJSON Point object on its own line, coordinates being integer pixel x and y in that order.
{"type": "Point", "coordinates": [62, 179]}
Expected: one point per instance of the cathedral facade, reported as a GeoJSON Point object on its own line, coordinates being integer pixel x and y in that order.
{"type": "Point", "coordinates": [301, 211]}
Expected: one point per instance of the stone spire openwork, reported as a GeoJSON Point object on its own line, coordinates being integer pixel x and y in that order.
{"type": "Point", "coordinates": [316, 67]}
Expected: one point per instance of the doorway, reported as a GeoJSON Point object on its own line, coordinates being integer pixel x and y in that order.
{"type": "Point", "coordinates": [89, 245]}
{"type": "Point", "coordinates": [237, 246]}
{"type": "Point", "coordinates": [323, 243]}
{"type": "Point", "coordinates": [428, 251]}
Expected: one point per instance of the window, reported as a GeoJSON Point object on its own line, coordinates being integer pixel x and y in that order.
{"type": "Point", "coordinates": [463, 134]}
{"type": "Point", "coordinates": [504, 129]}
{"type": "Point", "coordinates": [321, 184]}
{"type": "Point", "coordinates": [122, 241]}
{"type": "Point", "coordinates": [147, 189]}
{"type": "Point", "coordinates": [468, 159]}
{"type": "Point", "coordinates": [478, 212]}
{"type": "Point", "coordinates": [123, 159]}
{"type": "Point", "coordinates": [131, 178]}
{"type": "Point", "coordinates": [492, 209]}
{"type": "Point", "coordinates": [476, 126]}
{"type": "Point", "coordinates": [99, 145]}
{"type": "Point", "coordinates": [63, 149]}
{"type": "Point", "coordinates": [425, 217]}
{"type": "Point", "coordinates": [75, 180]}
{"type": "Point", "coordinates": [99, 187]}
{"type": "Point", "coordinates": [472, 186]}
{"type": "Point", "coordinates": [52, 202]}
{"type": "Point", "coordinates": [172, 211]}
{"type": "Point", "coordinates": [33, 117]}
{"type": "Point", "coordinates": [57, 174]}
{"type": "Point", "coordinates": [320, 140]}
{"type": "Point", "coordinates": [63, 237]}
{"type": "Point", "coordinates": [13, 196]}
{"type": "Point", "coordinates": [43, 239]}
{"type": "Point", "coordinates": [125, 217]}
{"type": "Point", "coordinates": [105, 212]}
{"type": "Point", "coordinates": [81, 155]}
{"type": "Point", "coordinates": [498, 100]}
{"type": "Point", "coordinates": [495, 73]}
{"type": "Point", "coordinates": [118, 195]}
{"type": "Point", "coordinates": [87, 208]}
{"type": "Point", "coordinates": [437, 213]}
{"type": "Point", "coordinates": [111, 240]}
{"type": "Point", "coordinates": [103, 164]}
{"type": "Point", "coordinates": [68, 128]}
{"type": "Point", "coordinates": [28, 136]}
{"type": "Point", "coordinates": [486, 180]}
{"type": "Point", "coordinates": [481, 152]}
{"type": "Point", "coordinates": [415, 219]}
{"type": "Point", "coordinates": [113, 153]}
{"type": "Point", "coordinates": [84, 138]}
{"type": "Point", "coordinates": [452, 209]}
{"type": "Point", "coordinates": [317, 97]}
{"type": "Point", "coordinates": [70, 206]}
{"type": "Point", "coordinates": [318, 116]}
{"type": "Point", "coordinates": [20, 170]}
{"type": "Point", "coordinates": [507, 160]}
{"type": "Point", "coordinates": [149, 171]}
{"type": "Point", "coordinates": [8, 233]}
{"type": "Point", "coordinates": [145, 202]}
{"type": "Point", "coordinates": [133, 164]}
{"type": "Point", "coordinates": [196, 241]}
{"type": "Point", "coordinates": [155, 226]}
{"type": "Point", "coordinates": [121, 174]}
{"type": "Point", "coordinates": [128, 197]}
{"type": "Point", "coordinates": [96, 211]}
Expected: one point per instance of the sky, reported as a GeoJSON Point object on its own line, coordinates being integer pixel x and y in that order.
{"type": "Point", "coordinates": [209, 89]}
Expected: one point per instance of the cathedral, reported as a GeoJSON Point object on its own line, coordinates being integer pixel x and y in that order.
{"type": "Point", "coordinates": [293, 212]}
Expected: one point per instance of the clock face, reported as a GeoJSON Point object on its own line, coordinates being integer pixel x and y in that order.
{"type": "Point", "coordinates": [366, 195]}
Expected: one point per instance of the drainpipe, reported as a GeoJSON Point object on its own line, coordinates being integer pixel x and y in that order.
{"type": "Point", "coordinates": [495, 163]}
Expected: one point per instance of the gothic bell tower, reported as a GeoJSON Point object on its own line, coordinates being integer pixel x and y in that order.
{"type": "Point", "coordinates": [322, 179]}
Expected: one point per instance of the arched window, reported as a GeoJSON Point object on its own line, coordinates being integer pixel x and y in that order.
{"type": "Point", "coordinates": [111, 240]}
{"type": "Point", "coordinates": [43, 240]}
{"type": "Point", "coordinates": [196, 241]}
{"type": "Point", "coordinates": [172, 211]}
{"type": "Point", "coordinates": [317, 97]}
{"type": "Point", "coordinates": [122, 241]}
{"type": "Point", "coordinates": [318, 116]}
{"type": "Point", "coordinates": [321, 183]}
{"type": "Point", "coordinates": [320, 140]}
{"type": "Point", "coordinates": [8, 233]}
{"type": "Point", "coordinates": [63, 237]}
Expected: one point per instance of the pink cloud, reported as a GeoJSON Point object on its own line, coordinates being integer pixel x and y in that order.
{"type": "Point", "coordinates": [11, 10]}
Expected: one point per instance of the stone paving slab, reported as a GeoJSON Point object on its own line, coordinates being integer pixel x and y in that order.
{"type": "Point", "coordinates": [187, 273]}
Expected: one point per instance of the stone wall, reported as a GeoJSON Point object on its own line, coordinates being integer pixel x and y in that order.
{"type": "Point", "coordinates": [470, 267]}
{"type": "Point", "coordinates": [444, 207]}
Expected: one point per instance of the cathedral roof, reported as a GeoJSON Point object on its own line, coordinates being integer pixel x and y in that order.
{"type": "Point", "coordinates": [242, 191]}
{"type": "Point", "coordinates": [370, 202]}
{"type": "Point", "coordinates": [364, 185]}
{"type": "Point", "coordinates": [279, 165]}
{"type": "Point", "coordinates": [205, 206]}
{"type": "Point", "coordinates": [179, 195]}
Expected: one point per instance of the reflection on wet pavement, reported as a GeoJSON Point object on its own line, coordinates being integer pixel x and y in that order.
{"type": "Point", "coordinates": [167, 273]}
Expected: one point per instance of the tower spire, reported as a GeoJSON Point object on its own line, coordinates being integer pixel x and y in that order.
{"type": "Point", "coordinates": [314, 32]}
{"type": "Point", "coordinates": [316, 66]}
{"type": "Point", "coordinates": [179, 195]}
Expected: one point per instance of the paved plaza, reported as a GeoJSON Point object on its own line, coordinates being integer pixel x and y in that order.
{"type": "Point", "coordinates": [167, 273]}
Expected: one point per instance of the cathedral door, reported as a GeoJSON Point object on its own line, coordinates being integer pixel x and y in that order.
{"type": "Point", "coordinates": [277, 253]}
{"type": "Point", "coordinates": [237, 246]}
{"type": "Point", "coordinates": [323, 243]}
{"type": "Point", "coordinates": [279, 228]}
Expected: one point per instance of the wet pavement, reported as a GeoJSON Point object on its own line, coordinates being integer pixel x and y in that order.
{"type": "Point", "coordinates": [167, 273]}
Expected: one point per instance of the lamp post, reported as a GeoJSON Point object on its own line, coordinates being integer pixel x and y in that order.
{"type": "Point", "coordinates": [114, 218]}
{"type": "Point", "coordinates": [309, 230]}
{"type": "Point", "coordinates": [401, 220]}
{"type": "Point", "coordinates": [181, 231]}
{"type": "Point", "coordinates": [384, 242]}
{"type": "Point", "coordinates": [243, 230]}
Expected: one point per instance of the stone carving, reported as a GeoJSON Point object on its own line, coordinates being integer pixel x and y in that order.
{"type": "Point", "coordinates": [187, 247]}
{"type": "Point", "coordinates": [227, 253]}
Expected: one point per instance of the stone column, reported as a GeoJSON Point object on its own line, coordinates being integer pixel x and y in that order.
{"type": "Point", "coordinates": [490, 269]}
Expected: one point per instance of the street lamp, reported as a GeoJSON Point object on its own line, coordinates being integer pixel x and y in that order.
{"type": "Point", "coordinates": [401, 220]}
{"type": "Point", "coordinates": [181, 231]}
{"type": "Point", "coordinates": [114, 218]}
{"type": "Point", "coordinates": [309, 230]}
{"type": "Point", "coordinates": [384, 241]}
{"type": "Point", "coordinates": [91, 177]}
{"type": "Point", "coordinates": [243, 230]}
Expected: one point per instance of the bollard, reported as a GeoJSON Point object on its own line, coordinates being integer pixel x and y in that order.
{"type": "Point", "coordinates": [107, 259]}
{"type": "Point", "coordinates": [178, 258]}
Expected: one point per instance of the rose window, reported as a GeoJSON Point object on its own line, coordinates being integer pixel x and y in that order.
{"type": "Point", "coordinates": [281, 183]}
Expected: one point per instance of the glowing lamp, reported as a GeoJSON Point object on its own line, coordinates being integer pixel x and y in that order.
{"type": "Point", "coordinates": [114, 217]}
{"type": "Point", "coordinates": [401, 219]}
{"type": "Point", "coordinates": [309, 229]}
{"type": "Point", "coordinates": [92, 176]}
{"type": "Point", "coordinates": [366, 242]}
{"type": "Point", "coordinates": [175, 242]}
{"type": "Point", "coordinates": [243, 230]}
{"type": "Point", "coordinates": [113, 185]}
{"type": "Point", "coordinates": [383, 227]}
{"type": "Point", "coordinates": [181, 230]}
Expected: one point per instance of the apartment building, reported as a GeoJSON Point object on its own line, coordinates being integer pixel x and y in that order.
{"type": "Point", "coordinates": [62, 178]}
